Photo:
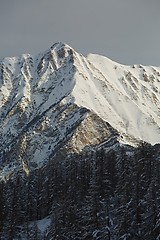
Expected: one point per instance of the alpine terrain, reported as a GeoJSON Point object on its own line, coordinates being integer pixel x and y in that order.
{"type": "Point", "coordinates": [79, 147]}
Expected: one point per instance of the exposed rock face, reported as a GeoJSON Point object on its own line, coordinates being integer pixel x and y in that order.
{"type": "Point", "coordinates": [61, 99]}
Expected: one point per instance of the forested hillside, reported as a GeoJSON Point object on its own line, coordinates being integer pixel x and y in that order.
{"type": "Point", "coordinates": [99, 194]}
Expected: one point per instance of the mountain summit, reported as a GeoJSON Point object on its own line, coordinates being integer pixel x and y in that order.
{"type": "Point", "coordinates": [76, 154]}
{"type": "Point", "coordinates": [60, 96]}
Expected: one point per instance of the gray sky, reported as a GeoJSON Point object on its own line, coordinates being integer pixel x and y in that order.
{"type": "Point", "coordinates": [126, 31]}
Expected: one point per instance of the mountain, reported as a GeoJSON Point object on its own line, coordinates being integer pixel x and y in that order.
{"type": "Point", "coordinates": [60, 95]}
{"type": "Point", "coordinates": [61, 112]}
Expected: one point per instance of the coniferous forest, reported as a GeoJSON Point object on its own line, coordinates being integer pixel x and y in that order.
{"type": "Point", "coordinates": [98, 194]}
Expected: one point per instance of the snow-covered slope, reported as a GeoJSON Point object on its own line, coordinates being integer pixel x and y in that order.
{"type": "Point", "coordinates": [128, 97]}
{"type": "Point", "coordinates": [44, 98]}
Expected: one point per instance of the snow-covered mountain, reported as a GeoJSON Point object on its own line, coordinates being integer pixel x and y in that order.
{"type": "Point", "coordinates": [61, 99]}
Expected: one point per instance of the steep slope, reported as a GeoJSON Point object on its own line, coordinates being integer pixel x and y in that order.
{"type": "Point", "coordinates": [46, 98]}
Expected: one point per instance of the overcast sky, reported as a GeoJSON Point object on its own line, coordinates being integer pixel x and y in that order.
{"type": "Point", "coordinates": [126, 31]}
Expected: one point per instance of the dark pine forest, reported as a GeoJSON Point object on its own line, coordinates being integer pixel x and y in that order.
{"type": "Point", "coordinates": [98, 194]}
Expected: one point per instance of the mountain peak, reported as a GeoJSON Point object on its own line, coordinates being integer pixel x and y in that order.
{"type": "Point", "coordinates": [69, 124]}
{"type": "Point", "coordinates": [95, 82]}
{"type": "Point", "coordinates": [59, 45]}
